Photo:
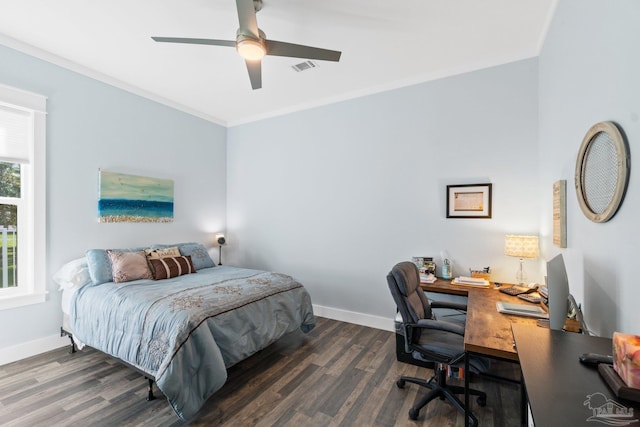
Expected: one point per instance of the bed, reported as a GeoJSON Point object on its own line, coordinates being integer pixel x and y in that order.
{"type": "Point", "coordinates": [181, 332]}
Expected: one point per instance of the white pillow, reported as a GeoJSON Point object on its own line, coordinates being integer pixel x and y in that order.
{"type": "Point", "coordinates": [73, 274]}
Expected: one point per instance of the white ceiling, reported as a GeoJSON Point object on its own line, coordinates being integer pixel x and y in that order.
{"type": "Point", "coordinates": [384, 44]}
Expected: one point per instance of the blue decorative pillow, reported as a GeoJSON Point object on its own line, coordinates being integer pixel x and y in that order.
{"type": "Point", "coordinates": [99, 263]}
{"type": "Point", "coordinates": [198, 253]}
{"type": "Point", "coordinates": [99, 266]}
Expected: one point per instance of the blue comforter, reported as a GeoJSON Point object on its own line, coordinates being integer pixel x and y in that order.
{"type": "Point", "coordinates": [187, 330]}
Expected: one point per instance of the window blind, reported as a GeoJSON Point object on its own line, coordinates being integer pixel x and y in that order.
{"type": "Point", "coordinates": [15, 134]}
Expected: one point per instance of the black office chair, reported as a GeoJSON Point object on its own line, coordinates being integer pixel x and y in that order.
{"type": "Point", "coordinates": [431, 340]}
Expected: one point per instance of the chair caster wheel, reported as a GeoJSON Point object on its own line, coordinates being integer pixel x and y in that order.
{"type": "Point", "coordinates": [413, 414]}
{"type": "Point", "coordinates": [482, 401]}
{"type": "Point", "coordinates": [400, 383]}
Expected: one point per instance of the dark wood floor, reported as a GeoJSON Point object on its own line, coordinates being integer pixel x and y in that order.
{"type": "Point", "coordinates": [340, 374]}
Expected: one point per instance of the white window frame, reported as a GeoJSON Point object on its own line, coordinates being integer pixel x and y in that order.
{"type": "Point", "coordinates": [32, 288]}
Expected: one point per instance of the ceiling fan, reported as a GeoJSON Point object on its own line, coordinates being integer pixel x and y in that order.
{"type": "Point", "coordinates": [252, 44]}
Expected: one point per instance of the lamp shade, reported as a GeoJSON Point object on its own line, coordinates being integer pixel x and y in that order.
{"type": "Point", "coordinates": [521, 246]}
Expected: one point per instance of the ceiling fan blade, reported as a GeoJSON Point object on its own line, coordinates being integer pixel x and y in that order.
{"type": "Point", "coordinates": [255, 73]}
{"type": "Point", "coordinates": [276, 48]}
{"type": "Point", "coordinates": [230, 43]}
{"type": "Point", "coordinates": [247, 18]}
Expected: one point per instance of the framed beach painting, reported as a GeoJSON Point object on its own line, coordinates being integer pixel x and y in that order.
{"type": "Point", "coordinates": [132, 198]}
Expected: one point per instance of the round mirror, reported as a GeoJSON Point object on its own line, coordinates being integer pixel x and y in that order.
{"type": "Point", "coordinates": [602, 171]}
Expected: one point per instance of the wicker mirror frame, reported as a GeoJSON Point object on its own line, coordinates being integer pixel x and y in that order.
{"type": "Point", "coordinates": [585, 180]}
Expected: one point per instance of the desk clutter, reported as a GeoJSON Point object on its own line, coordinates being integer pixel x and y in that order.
{"type": "Point", "coordinates": [425, 265]}
{"type": "Point", "coordinates": [427, 278]}
{"type": "Point", "coordinates": [534, 294]}
{"type": "Point", "coordinates": [427, 269]}
{"type": "Point", "coordinates": [526, 310]}
{"type": "Point", "coordinates": [626, 358]}
{"type": "Point", "coordinates": [533, 298]}
{"type": "Point", "coordinates": [619, 371]}
{"type": "Point", "coordinates": [484, 273]}
{"type": "Point", "coordinates": [562, 391]}
{"type": "Point", "coordinates": [616, 384]}
{"type": "Point", "coordinates": [471, 281]}
{"type": "Point", "coordinates": [517, 290]}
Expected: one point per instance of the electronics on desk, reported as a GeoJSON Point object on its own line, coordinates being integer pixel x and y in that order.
{"type": "Point", "coordinates": [522, 310]}
{"type": "Point", "coordinates": [519, 289]}
{"type": "Point", "coordinates": [560, 299]}
{"type": "Point", "coordinates": [544, 291]}
{"type": "Point", "coordinates": [533, 297]}
{"type": "Point", "coordinates": [595, 359]}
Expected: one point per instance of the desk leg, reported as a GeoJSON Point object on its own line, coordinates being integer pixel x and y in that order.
{"type": "Point", "coordinates": [467, 413]}
{"type": "Point", "coordinates": [523, 403]}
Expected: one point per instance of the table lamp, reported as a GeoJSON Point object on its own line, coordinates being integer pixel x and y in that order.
{"type": "Point", "coordinates": [220, 241]}
{"type": "Point", "coordinates": [521, 247]}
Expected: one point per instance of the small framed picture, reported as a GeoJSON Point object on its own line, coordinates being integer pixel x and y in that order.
{"type": "Point", "coordinates": [469, 201]}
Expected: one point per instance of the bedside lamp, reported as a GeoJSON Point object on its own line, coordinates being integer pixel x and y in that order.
{"type": "Point", "coordinates": [521, 247]}
{"type": "Point", "coordinates": [220, 241]}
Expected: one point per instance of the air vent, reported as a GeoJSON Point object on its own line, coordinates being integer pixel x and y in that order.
{"type": "Point", "coordinates": [304, 66]}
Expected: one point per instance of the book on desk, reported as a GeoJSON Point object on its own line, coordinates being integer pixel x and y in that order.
{"type": "Point", "coordinates": [427, 278]}
{"type": "Point", "coordinates": [476, 282]}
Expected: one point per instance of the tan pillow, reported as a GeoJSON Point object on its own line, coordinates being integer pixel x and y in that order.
{"type": "Point", "coordinates": [173, 251]}
{"type": "Point", "coordinates": [128, 266]}
{"type": "Point", "coordinates": [167, 267]}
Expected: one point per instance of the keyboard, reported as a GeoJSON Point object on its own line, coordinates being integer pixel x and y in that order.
{"type": "Point", "coordinates": [535, 299]}
{"type": "Point", "coordinates": [517, 290]}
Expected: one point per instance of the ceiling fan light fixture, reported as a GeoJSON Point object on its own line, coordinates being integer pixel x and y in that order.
{"type": "Point", "coordinates": [251, 50]}
{"type": "Point", "coordinates": [252, 45]}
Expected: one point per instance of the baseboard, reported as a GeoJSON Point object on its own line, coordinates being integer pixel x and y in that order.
{"type": "Point", "coordinates": [32, 348]}
{"type": "Point", "coordinates": [378, 322]}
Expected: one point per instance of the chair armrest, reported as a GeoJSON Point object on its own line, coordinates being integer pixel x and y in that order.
{"type": "Point", "coordinates": [431, 324]}
{"type": "Point", "coordinates": [440, 325]}
{"type": "Point", "coordinates": [446, 304]}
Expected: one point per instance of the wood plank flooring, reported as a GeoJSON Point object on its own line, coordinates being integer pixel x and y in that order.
{"type": "Point", "coordinates": [339, 374]}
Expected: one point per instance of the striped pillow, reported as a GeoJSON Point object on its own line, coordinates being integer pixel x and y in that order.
{"type": "Point", "coordinates": [165, 268]}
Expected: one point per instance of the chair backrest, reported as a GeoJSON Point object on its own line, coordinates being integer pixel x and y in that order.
{"type": "Point", "coordinates": [404, 284]}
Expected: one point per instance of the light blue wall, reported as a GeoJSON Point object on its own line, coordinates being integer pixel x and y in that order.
{"type": "Point", "coordinates": [91, 125]}
{"type": "Point", "coordinates": [589, 72]}
{"type": "Point", "coordinates": [337, 195]}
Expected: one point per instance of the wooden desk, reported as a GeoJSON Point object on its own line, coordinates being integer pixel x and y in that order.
{"type": "Point", "coordinates": [558, 385]}
{"type": "Point", "coordinates": [487, 332]}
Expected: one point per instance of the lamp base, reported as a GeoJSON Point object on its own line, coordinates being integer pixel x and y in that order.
{"type": "Point", "coordinates": [521, 275]}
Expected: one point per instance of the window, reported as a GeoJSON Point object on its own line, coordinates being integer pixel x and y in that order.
{"type": "Point", "coordinates": [22, 198]}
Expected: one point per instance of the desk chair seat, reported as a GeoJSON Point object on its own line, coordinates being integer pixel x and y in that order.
{"type": "Point", "coordinates": [431, 340]}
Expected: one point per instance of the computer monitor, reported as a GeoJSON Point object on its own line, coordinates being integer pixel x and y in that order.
{"type": "Point", "coordinates": [558, 288]}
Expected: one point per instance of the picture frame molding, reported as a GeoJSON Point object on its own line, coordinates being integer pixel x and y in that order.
{"type": "Point", "coordinates": [560, 213]}
{"type": "Point", "coordinates": [131, 198]}
{"type": "Point", "coordinates": [476, 204]}
{"type": "Point", "coordinates": [589, 174]}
